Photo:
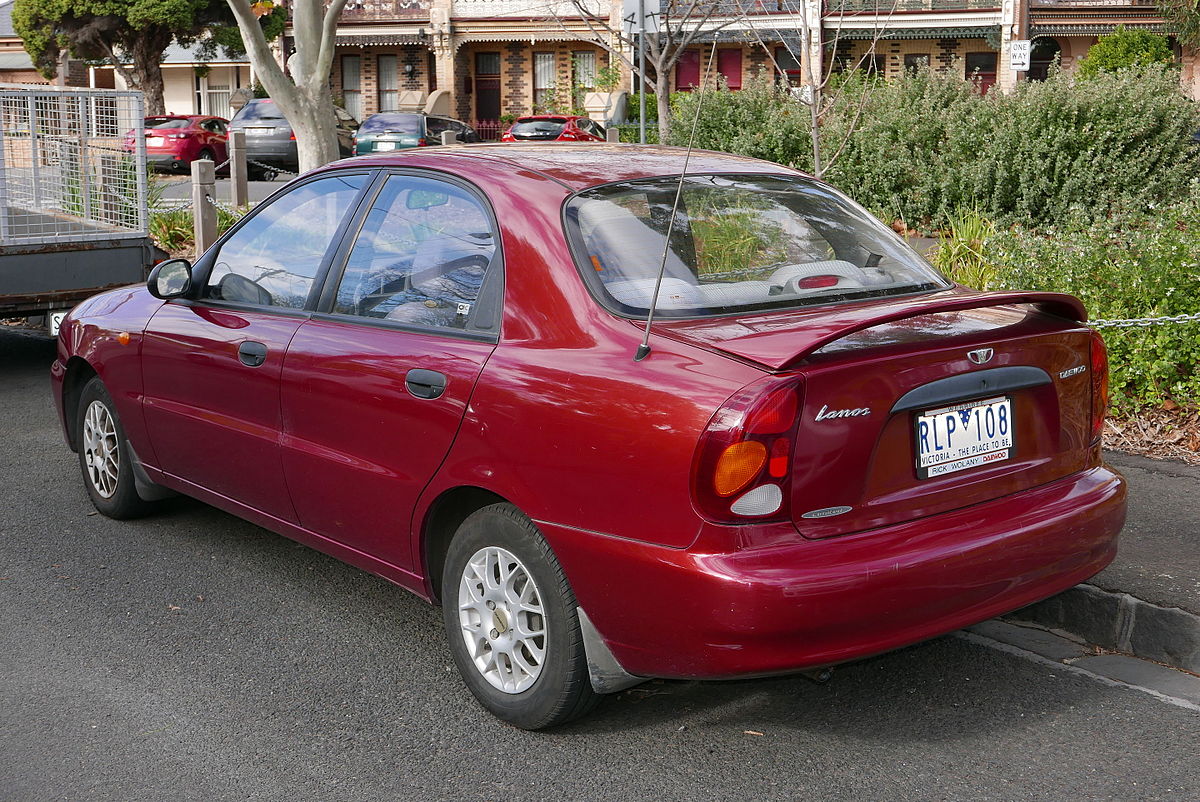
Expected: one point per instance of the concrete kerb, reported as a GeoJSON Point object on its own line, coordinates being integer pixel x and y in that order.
{"type": "Point", "coordinates": [1121, 622]}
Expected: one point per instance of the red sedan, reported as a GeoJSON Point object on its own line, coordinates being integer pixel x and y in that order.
{"type": "Point", "coordinates": [173, 142]}
{"type": "Point", "coordinates": [553, 128]}
{"type": "Point", "coordinates": [437, 366]}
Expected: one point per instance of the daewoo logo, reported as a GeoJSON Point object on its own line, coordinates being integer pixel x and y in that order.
{"type": "Point", "coordinates": [826, 413]}
{"type": "Point", "coordinates": [980, 355]}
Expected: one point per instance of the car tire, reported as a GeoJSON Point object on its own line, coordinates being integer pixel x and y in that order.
{"type": "Point", "coordinates": [205, 153]}
{"type": "Point", "coordinates": [104, 455]}
{"type": "Point", "coordinates": [502, 667]}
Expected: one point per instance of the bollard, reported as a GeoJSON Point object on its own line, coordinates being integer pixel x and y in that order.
{"type": "Point", "coordinates": [449, 138]}
{"type": "Point", "coordinates": [204, 214]}
{"type": "Point", "coordinates": [239, 192]}
{"type": "Point", "coordinates": [612, 134]}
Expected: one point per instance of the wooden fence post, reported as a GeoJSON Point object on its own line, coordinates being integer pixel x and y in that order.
{"type": "Point", "coordinates": [204, 214]}
{"type": "Point", "coordinates": [239, 192]}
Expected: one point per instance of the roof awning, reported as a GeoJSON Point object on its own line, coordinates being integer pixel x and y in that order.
{"type": "Point", "coordinates": [959, 32]}
{"type": "Point", "coordinates": [367, 39]}
{"type": "Point", "coordinates": [1091, 28]}
{"type": "Point", "coordinates": [15, 60]}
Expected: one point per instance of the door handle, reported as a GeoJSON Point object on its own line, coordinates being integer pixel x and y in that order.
{"type": "Point", "coordinates": [252, 354]}
{"type": "Point", "coordinates": [425, 383]}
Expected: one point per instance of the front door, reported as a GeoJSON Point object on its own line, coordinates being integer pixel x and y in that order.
{"type": "Point", "coordinates": [211, 366]}
{"type": "Point", "coordinates": [487, 86]}
{"type": "Point", "coordinates": [376, 384]}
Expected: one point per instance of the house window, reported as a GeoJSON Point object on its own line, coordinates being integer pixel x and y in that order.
{"type": "Point", "coordinates": [389, 90]}
{"type": "Point", "coordinates": [916, 61]}
{"type": "Point", "coordinates": [352, 86]}
{"type": "Point", "coordinates": [585, 68]}
{"type": "Point", "coordinates": [729, 64]}
{"type": "Point", "coordinates": [217, 98]}
{"type": "Point", "coordinates": [981, 68]}
{"type": "Point", "coordinates": [487, 63]}
{"type": "Point", "coordinates": [543, 79]}
{"type": "Point", "coordinates": [687, 71]}
{"type": "Point", "coordinates": [789, 66]}
{"type": "Point", "coordinates": [431, 71]}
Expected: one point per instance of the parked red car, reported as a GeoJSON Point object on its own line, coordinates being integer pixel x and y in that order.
{"type": "Point", "coordinates": [174, 141]}
{"type": "Point", "coordinates": [554, 128]}
{"type": "Point", "coordinates": [429, 364]}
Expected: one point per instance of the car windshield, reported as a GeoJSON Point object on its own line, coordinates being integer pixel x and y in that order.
{"type": "Point", "coordinates": [549, 128]}
{"type": "Point", "coordinates": [739, 243]}
{"type": "Point", "coordinates": [397, 123]}
{"type": "Point", "coordinates": [260, 110]}
{"type": "Point", "coordinates": [159, 123]}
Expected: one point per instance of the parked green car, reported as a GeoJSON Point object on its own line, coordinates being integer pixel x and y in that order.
{"type": "Point", "coordinates": [396, 130]}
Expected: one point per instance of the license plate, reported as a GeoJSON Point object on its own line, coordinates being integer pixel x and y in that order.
{"type": "Point", "coordinates": [258, 131]}
{"type": "Point", "coordinates": [964, 436]}
{"type": "Point", "coordinates": [154, 141]}
{"type": "Point", "coordinates": [385, 146]}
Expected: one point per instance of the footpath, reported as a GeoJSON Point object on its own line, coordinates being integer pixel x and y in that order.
{"type": "Point", "coordinates": [1138, 621]}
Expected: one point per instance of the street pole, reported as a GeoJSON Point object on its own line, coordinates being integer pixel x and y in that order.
{"type": "Point", "coordinates": [642, 71]}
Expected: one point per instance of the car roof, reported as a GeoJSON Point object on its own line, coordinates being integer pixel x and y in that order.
{"type": "Point", "coordinates": [575, 166]}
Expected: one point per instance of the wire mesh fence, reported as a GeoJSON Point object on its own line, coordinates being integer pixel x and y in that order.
{"type": "Point", "coordinates": [72, 165]}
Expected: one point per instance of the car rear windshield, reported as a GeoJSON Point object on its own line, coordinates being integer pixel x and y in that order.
{"type": "Point", "coordinates": [159, 123]}
{"type": "Point", "coordinates": [548, 128]}
{"type": "Point", "coordinates": [261, 110]}
{"type": "Point", "coordinates": [739, 243]}
{"type": "Point", "coordinates": [399, 123]}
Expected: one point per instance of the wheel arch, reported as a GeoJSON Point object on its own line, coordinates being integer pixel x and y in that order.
{"type": "Point", "coordinates": [442, 519]}
{"type": "Point", "coordinates": [78, 373]}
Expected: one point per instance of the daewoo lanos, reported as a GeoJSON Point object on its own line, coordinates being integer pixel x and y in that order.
{"type": "Point", "coordinates": [424, 365]}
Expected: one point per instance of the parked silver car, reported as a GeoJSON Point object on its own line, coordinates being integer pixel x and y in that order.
{"type": "Point", "coordinates": [271, 142]}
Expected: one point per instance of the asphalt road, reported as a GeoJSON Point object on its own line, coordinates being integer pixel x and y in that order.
{"type": "Point", "coordinates": [179, 189]}
{"type": "Point", "coordinates": [194, 656]}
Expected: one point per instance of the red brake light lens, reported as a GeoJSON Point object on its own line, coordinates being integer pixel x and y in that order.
{"type": "Point", "coordinates": [1099, 368]}
{"type": "Point", "coordinates": [817, 282]}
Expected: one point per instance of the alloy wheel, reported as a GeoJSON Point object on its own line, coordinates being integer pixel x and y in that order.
{"type": "Point", "coordinates": [101, 453]}
{"type": "Point", "coordinates": [502, 620]}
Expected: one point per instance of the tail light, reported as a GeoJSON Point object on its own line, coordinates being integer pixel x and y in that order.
{"type": "Point", "coordinates": [743, 464]}
{"type": "Point", "coordinates": [292, 136]}
{"type": "Point", "coordinates": [421, 142]}
{"type": "Point", "coordinates": [1099, 369]}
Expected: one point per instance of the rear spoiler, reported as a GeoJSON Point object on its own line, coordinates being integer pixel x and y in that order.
{"type": "Point", "coordinates": [779, 346]}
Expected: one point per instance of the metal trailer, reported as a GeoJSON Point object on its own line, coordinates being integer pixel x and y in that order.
{"type": "Point", "coordinates": [73, 198]}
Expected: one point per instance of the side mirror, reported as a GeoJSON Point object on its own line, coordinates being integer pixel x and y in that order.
{"type": "Point", "coordinates": [170, 279]}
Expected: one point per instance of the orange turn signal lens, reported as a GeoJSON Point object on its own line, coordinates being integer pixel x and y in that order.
{"type": "Point", "coordinates": [737, 466]}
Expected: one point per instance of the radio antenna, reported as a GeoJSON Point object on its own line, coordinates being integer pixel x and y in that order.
{"type": "Point", "coordinates": [643, 350]}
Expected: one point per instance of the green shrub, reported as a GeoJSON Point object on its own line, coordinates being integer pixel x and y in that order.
{"type": "Point", "coordinates": [924, 145]}
{"type": "Point", "coordinates": [1125, 48]}
{"type": "Point", "coordinates": [1131, 266]}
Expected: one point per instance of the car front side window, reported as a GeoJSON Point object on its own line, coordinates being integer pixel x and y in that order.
{"type": "Point", "coordinates": [273, 259]}
{"type": "Point", "coordinates": [421, 256]}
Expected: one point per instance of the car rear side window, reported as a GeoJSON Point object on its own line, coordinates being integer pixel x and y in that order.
{"type": "Point", "coordinates": [420, 257]}
{"type": "Point", "coordinates": [273, 259]}
{"type": "Point", "coordinates": [738, 243]}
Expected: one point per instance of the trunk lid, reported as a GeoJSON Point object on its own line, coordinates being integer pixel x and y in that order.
{"type": "Point", "coordinates": [873, 373]}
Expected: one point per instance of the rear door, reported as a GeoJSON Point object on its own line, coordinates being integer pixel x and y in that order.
{"type": "Point", "coordinates": [376, 384]}
{"type": "Point", "coordinates": [211, 366]}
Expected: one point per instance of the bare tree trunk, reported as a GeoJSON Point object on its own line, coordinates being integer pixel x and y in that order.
{"type": "Point", "coordinates": [147, 66]}
{"type": "Point", "coordinates": [662, 99]}
{"type": "Point", "coordinates": [303, 97]}
{"type": "Point", "coordinates": [315, 126]}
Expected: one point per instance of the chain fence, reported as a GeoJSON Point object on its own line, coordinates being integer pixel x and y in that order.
{"type": "Point", "coordinates": [1142, 322]}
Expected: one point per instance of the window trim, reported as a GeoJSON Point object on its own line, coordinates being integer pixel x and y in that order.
{"type": "Point", "coordinates": [491, 292]}
{"type": "Point", "coordinates": [202, 268]}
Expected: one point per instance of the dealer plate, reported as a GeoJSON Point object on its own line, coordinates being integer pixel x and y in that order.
{"type": "Point", "coordinates": [964, 436]}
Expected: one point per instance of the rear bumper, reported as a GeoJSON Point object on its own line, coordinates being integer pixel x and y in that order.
{"type": "Point", "coordinates": [682, 613]}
